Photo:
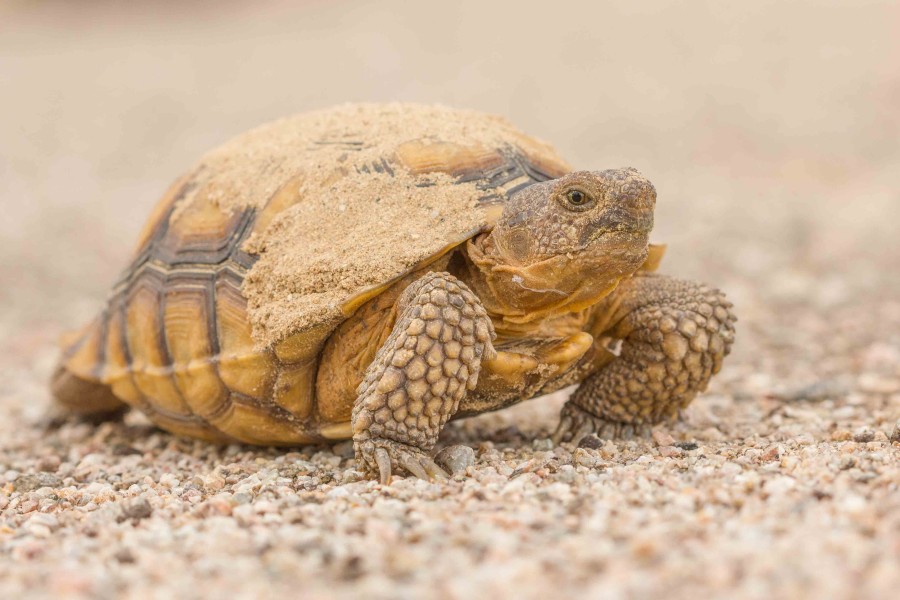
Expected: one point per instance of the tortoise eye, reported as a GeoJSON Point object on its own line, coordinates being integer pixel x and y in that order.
{"type": "Point", "coordinates": [577, 199]}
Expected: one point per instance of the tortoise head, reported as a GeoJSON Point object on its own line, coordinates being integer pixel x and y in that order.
{"type": "Point", "coordinates": [561, 245]}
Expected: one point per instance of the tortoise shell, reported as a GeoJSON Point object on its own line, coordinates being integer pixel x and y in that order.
{"type": "Point", "coordinates": [250, 261]}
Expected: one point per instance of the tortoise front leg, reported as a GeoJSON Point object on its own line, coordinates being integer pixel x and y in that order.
{"type": "Point", "coordinates": [674, 335]}
{"type": "Point", "coordinates": [420, 375]}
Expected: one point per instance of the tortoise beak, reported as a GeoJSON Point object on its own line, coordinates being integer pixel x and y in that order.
{"type": "Point", "coordinates": [631, 202]}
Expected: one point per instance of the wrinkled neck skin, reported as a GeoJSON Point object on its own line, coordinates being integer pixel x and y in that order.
{"type": "Point", "coordinates": [518, 297]}
{"type": "Point", "coordinates": [560, 246]}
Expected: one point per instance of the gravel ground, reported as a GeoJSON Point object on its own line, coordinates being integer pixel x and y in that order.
{"type": "Point", "coordinates": [783, 481]}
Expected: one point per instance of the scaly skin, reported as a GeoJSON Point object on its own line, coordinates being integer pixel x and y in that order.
{"type": "Point", "coordinates": [675, 335]}
{"type": "Point", "coordinates": [420, 374]}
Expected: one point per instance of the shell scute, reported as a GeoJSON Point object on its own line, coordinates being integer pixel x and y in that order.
{"type": "Point", "coordinates": [243, 367]}
{"type": "Point", "coordinates": [457, 160]}
{"type": "Point", "coordinates": [202, 232]}
{"type": "Point", "coordinates": [150, 364]}
{"type": "Point", "coordinates": [190, 336]}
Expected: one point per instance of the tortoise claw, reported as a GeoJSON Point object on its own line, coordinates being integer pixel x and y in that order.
{"type": "Point", "coordinates": [384, 456]}
{"type": "Point", "coordinates": [562, 430]}
{"type": "Point", "coordinates": [413, 466]}
{"type": "Point", "coordinates": [384, 465]}
{"type": "Point", "coordinates": [433, 470]}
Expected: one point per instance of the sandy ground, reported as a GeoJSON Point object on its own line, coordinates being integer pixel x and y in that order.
{"type": "Point", "coordinates": [771, 133]}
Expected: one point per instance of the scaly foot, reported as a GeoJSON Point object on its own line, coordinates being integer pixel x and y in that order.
{"type": "Point", "coordinates": [419, 376]}
{"type": "Point", "coordinates": [382, 457]}
{"type": "Point", "coordinates": [575, 423]}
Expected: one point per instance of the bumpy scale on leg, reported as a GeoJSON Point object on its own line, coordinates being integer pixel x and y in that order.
{"type": "Point", "coordinates": [674, 335]}
{"type": "Point", "coordinates": [419, 376]}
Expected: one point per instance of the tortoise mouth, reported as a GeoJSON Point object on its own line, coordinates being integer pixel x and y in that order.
{"type": "Point", "coordinates": [520, 281]}
{"type": "Point", "coordinates": [621, 223]}
{"type": "Point", "coordinates": [628, 223]}
{"type": "Point", "coordinates": [623, 238]}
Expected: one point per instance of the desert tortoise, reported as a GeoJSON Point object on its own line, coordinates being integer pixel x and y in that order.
{"type": "Point", "coordinates": [372, 271]}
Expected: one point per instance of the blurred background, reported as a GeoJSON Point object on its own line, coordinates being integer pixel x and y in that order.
{"type": "Point", "coordinates": [769, 128]}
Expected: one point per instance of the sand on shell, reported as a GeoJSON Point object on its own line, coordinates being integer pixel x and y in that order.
{"type": "Point", "coordinates": [340, 211]}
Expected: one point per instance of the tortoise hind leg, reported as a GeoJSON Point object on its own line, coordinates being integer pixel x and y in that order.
{"type": "Point", "coordinates": [86, 398]}
{"type": "Point", "coordinates": [420, 375]}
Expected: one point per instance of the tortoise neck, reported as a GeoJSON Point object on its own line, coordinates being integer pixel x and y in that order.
{"type": "Point", "coordinates": [475, 270]}
{"type": "Point", "coordinates": [520, 297]}
{"type": "Point", "coordinates": [511, 303]}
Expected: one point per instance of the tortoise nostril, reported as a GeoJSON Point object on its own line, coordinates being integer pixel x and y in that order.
{"type": "Point", "coordinates": [637, 196]}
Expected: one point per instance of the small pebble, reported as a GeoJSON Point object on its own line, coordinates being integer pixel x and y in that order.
{"type": "Point", "coordinates": [135, 508]}
{"type": "Point", "coordinates": [663, 438]}
{"type": "Point", "coordinates": [29, 483]}
{"type": "Point", "coordinates": [591, 441]}
{"type": "Point", "coordinates": [241, 498]}
{"type": "Point", "coordinates": [542, 444]}
{"type": "Point", "coordinates": [711, 434]}
{"type": "Point", "coordinates": [44, 520]}
{"type": "Point", "coordinates": [125, 556]}
{"type": "Point", "coordinates": [456, 459]}
{"type": "Point", "coordinates": [670, 451]}
{"type": "Point", "coordinates": [841, 435]}
{"type": "Point", "coordinates": [687, 446]}
{"type": "Point", "coordinates": [863, 436]}
{"type": "Point", "coordinates": [49, 463]}
{"type": "Point", "coordinates": [585, 458]}
{"type": "Point", "coordinates": [773, 453]}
